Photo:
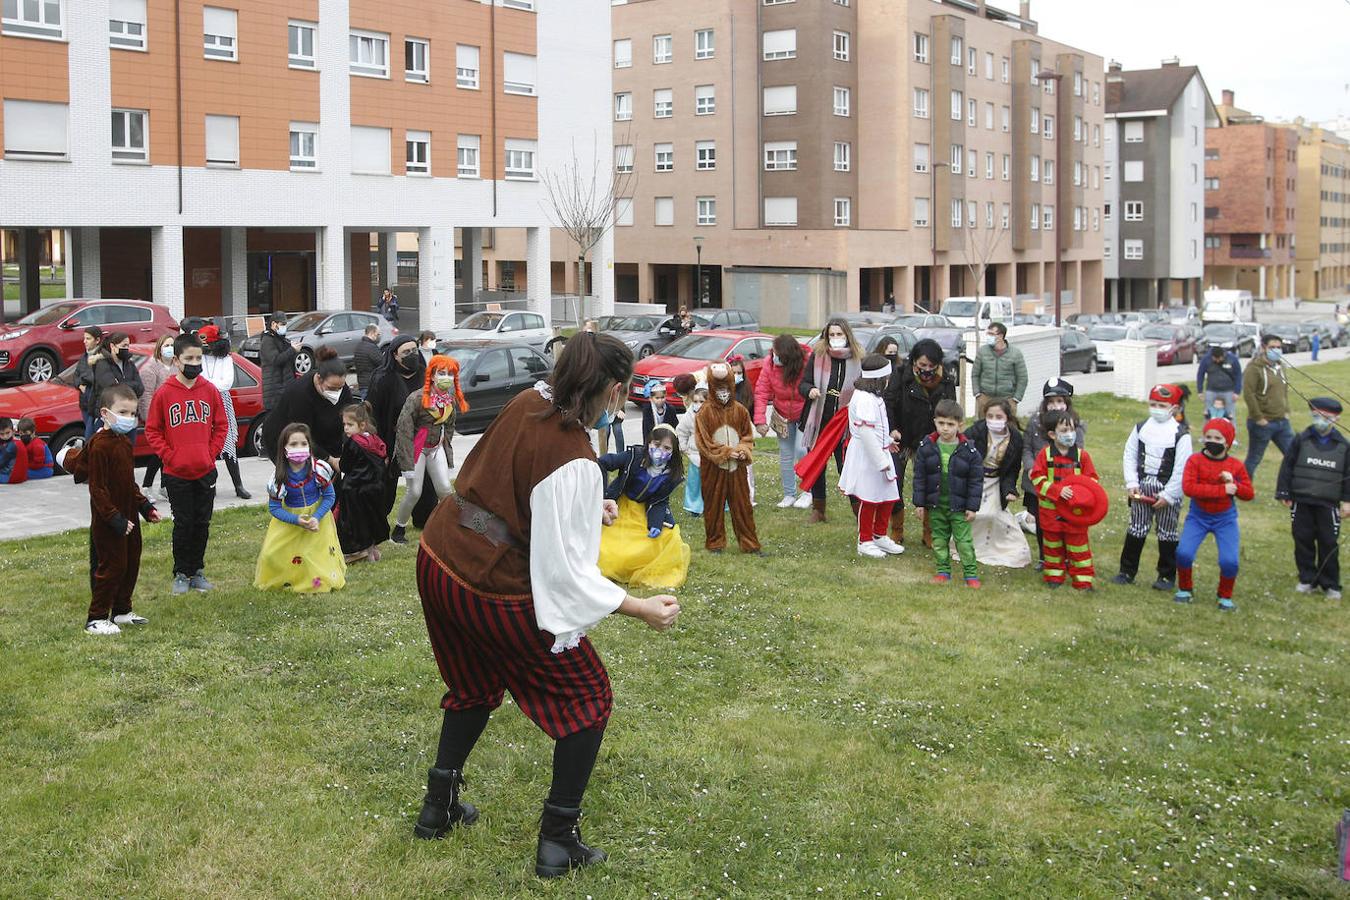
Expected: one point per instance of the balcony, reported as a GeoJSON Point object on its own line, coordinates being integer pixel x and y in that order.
{"type": "Point", "coordinates": [1249, 252]}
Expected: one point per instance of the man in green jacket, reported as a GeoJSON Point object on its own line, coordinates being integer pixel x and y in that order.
{"type": "Point", "coordinates": [1267, 397]}
{"type": "Point", "coordinates": [1000, 371]}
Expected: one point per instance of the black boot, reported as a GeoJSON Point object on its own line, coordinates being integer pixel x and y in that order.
{"type": "Point", "coordinates": [1129, 559]}
{"type": "Point", "coordinates": [1167, 566]}
{"type": "Point", "coordinates": [397, 535]}
{"type": "Point", "coordinates": [560, 846]}
{"type": "Point", "coordinates": [441, 807]}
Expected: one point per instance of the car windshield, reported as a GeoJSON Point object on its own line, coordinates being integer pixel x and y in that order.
{"type": "Point", "coordinates": [1309, 327]}
{"type": "Point", "coordinates": [699, 346]}
{"type": "Point", "coordinates": [964, 308]}
{"type": "Point", "coordinates": [633, 323]}
{"type": "Point", "coordinates": [1221, 332]}
{"type": "Point", "coordinates": [1159, 332]}
{"type": "Point", "coordinates": [1108, 333]}
{"type": "Point", "coordinates": [462, 355]}
{"type": "Point", "coordinates": [947, 340]}
{"type": "Point", "coordinates": [483, 321]}
{"type": "Point", "coordinates": [1284, 330]}
{"type": "Point", "coordinates": [307, 322]}
{"type": "Point", "coordinates": [49, 315]}
{"type": "Point", "coordinates": [913, 320]}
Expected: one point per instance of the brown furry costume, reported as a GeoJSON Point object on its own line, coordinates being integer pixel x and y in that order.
{"type": "Point", "coordinates": [724, 478]}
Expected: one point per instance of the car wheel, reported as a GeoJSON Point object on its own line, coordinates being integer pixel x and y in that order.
{"type": "Point", "coordinates": [554, 347]}
{"type": "Point", "coordinates": [65, 439]}
{"type": "Point", "coordinates": [38, 366]}
{"type": "Point", "coordinates": [254, 441]}
{"type": "Point", "coordinates": [304, 361]}
{"type": "Point", "coordinates": [1091, 365]}
{"type": "Point", "coordinates": [646, 351]}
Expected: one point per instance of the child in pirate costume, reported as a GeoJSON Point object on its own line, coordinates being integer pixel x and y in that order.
{"type": "Point", "coordinates": [643, 547]}
{"type": "Point", "coordinates": [1213, 480]}
{"type": "Point", "coordinates": [1061, 538]}
{"type": "Point", "coordinates": [1155, 458]}
{"type": "Point", "coordinates": [694, 395]}
{"type": "Point", "coordinates": [868, 475]}
{"type": "Point", "coordinates": [726, 440]}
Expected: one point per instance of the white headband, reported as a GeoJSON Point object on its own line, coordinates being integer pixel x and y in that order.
{"type": "Point", "coordinates": [879, 372]}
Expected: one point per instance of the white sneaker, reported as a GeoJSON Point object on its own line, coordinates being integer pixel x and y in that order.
{"type": "Point", "coordinates": [803, 500]}
{"type": "Point", "coordinates": [1333, 594]}
{"type": "Point", "coordinates": [101, 626]}
{"type": "Point", "coordinates": [130, 618]}
{"type": "Point", "coordinates": [786, 502]}
{"type": "Point", "coordinates": [1305, 588]}
{"type": "Point", "coordinates": [870, 549]}
{"type": "Point", "coordinates": [886, 545]}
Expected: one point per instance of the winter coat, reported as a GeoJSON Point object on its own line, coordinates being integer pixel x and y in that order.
{"type": "Point", "coordinates": [774, 389]}
{"type": "Point", "coordinates": [628, 464]}
{"type": "Point", "coordinates": [276, 358]}
{"type": "Point", "coordinates": [389, 388]}
{"type": "Point", "coordinates": [106, 373]}
{"type": "Point", "coordinates": [1011, 466]}
{"type": "Point", "coordinates": [366, 358]}
{"type": "Point", "coordinates": [84, 379]}
{"type": "Point", "coordinates": [1264, 390]}
{"type": "Point", "coordinates": [965, 475]}
{"type": "Point", "coordinates": [153, 374]}
{"type": "Point", "coordinates": [999, 375]}
{"type": "Point", "coordinates": [1224, 376]}
{"type": "Point", "coordinates": [301, 402]}
{"type": "Point", "coordinates": [817, 374]}
{"type": "Point", "coordinates": [909, 405]}
{"type": "Point", "coordinates": [649, 421]}
{"type": "Point", "coordinates": [414, 419]}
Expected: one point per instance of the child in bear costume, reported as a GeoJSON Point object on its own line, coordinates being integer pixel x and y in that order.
{"type": "Point", "coordinates": [726, 440]}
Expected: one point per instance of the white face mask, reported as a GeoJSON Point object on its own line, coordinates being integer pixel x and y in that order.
{"type": "Point", "coordinates": [723, 395]}
{"type": "Point", "coordinates": [1159, 415]}
{"type": "Point", "coordinates": [445, 382]}
{"type": "Point", "coordinates": [997, 426]}
{"type": "Point", "coordinates": [991, 339]}
{"type": "Point", "coordinates": [333, 396]}
{"type": "Point", "coordinates": [166, 351]}
{"type": "Point", "coordinates": [696, 406]}
{"type": "Point", "coordinates": [838, 343]}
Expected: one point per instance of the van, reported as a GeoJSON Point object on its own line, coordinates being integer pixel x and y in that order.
{"type": "Point", "coordinates": [1227, 306]}
{"type": "Point", "coordinates": [978, 312]}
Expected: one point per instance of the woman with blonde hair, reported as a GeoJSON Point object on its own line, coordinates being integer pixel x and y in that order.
{"type": "Point", "coordinates": [827, 385]}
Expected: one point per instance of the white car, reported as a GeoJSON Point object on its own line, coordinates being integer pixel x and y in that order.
{"type": "Point", "coordinates": [505, 326]}
{"type": "Point", "coordinates": [1105, 337]}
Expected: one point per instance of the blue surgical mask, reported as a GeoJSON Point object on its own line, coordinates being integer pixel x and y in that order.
{"type": "Point", "coordinates": [739, 377]}
{"type": "Point", "coordinates": [1320, 423]}
{"type": "Point", "coordinates": [1274, 354]}
{"type": "Point", "coordinates": [774, 357]}
{"type": "Point", "coordinates": [124, 424]}
{"type": "Point", "coordinates": [1068, 439]}
{"type": "Point", "coordinates": [1159, 415]}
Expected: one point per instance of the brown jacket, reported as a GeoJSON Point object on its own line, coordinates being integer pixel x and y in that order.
{"type": "Point", "coordinates": [107, 464]}
{"type": "Point", "coordinates": [713, 415]}
{"type": "Point", "coordinates": [413, 419]}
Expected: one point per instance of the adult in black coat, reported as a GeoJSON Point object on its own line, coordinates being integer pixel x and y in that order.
{"type": "Point", "coordinates": [917, 385]}
{"type": "Point", "coordinates": [113, 365]}
{"type": "Point", "coordinates": [317, 401]}
{"type": "Point", "coordinates": [366, 358]}
{"type": "Point", "coordinates": [276, 358]}
{"type": "Point", "coordinates": [1010, 467]}
{"type": "Point", "coordinates": [402, 371]}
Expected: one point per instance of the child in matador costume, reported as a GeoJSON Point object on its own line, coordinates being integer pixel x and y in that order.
{"type": "Point", "coordinates": [726, 440]}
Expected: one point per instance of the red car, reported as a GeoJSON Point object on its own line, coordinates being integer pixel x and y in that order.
{"type": "Point", "coordinates": [1175, 344]}
{"type": "Point", "coordinates": [44, 342]}
{"type": "Point", "coordinates": [692, 352]}
{"type": "Point", "coordinates": [55, 405]}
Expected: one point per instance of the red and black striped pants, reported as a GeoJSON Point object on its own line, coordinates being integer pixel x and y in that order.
{"type": "Point", "coordinates": [485, 646]}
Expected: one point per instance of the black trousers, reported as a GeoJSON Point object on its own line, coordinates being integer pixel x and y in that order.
{"type": "Point", "coordinates": [818, 489]}
{"type": "Point", "coordinates": [1316, 529]}
{"type": "Point", "coordinates": [192, 502]}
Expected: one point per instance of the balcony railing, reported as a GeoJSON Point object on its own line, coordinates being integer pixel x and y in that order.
{"type": "Point", "coordinates": [1249, 252]}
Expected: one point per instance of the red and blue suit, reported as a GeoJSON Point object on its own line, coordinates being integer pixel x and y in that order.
{"type": "Point", "coordinates": [1212, 512]}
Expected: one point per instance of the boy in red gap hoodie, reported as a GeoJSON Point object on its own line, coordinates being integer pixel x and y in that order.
{"type": "Point", "coordinates": [1212, 479]}
{"type": "Point", "coordinates": [186, 428]}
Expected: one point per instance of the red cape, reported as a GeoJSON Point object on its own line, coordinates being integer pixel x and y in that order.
{"type": "Point", "coordinates": [810, 467]}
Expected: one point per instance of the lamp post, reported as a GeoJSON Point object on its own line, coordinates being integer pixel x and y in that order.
{"type": "Point", "coordinates": [698, 276]}
{"type": "Point", "coordinates": [1047, 75]}
{"type": "Point", "coordinates": [933, 166]}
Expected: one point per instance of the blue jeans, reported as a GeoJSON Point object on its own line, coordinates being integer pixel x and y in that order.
{"type": "Point", "coordinates": [1260, 436]}
{"type": "Point", "coordinates": [790, 450]}
{"type": "Point", "coordinates": [1228, 399]}
{"type": "Point", "coordinates": [91, 424]}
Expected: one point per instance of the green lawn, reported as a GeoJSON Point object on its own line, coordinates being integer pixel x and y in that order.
{"type": "Point", "coordinates": [817, 724]}
{"type": "Point", "coordinates": [47, 290]}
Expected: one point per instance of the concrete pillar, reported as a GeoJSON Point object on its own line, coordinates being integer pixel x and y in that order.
{"type": "Point", "coordinates": [903, 279]}
{"type": "Point", "coordinates": [335, 275]}
{"type": "Point", "coordinates": [166, 263]}
{"type": "Point", "coordinates": [852, 291]}
{"type": "Point", "coordinates": [30, 270]}
{"type": "Point", "coordinates": [387, 259]}
{"type": "Point", "coordinates": [644, 294]}
{"type": "Point", "coordinates": [436, 278]}
{"type": "Point", "coordinates": [602, 282]}
{"type": "Point", "coordinates": [234, 272]}
{"type": "Point", "coordinates": [471, 250]}
{"type": "Point", "coordinates": [539, 278]}
{"type": "Point", "coordinates": [87, 264]}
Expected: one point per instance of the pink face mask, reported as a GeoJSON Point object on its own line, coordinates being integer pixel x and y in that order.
{"type": "Point", "coordinates": [297, 456]}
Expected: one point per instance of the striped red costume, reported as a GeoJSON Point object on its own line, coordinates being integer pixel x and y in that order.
{"type": "Point", "coordinates": [1051, 466]}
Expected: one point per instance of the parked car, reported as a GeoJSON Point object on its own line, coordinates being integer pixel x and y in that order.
{"type": "Point", "coordinates": [1230, 338]}
{"type": "Point", "coordinates": [694, 351]}
{"type": "Point", "coordinates": [340, 329]}
{"type": "Point", "coordinates": [1082, 321]}
{"type": "Point", "coordinates": [922, 320]}
{"type": "Point", "coordinates": [1324, 327]}
{"type": "Point", "coordinates": [1104, 337]}
{"type": "Point", "coordinates": [1175, 343]}
{"type": "Point", "coordinates": [1291, 339]}
{"type": "Point", "coordinates": [951, 340]}
{"type": "Point", "coordinates": [1179, 314]}
{"type": "Point", "coordinates": [54, 405]}
{"type": "Point", "coordinates": [39, 345]}
{"type": "Point", "coordinates": [735, 319]}
{"type": "Point", "coordinates": [1251, 330]}
{"type": "Point", "coordinates": [504, 327]}
{"type": "Point", "coordinates": [867, 317]}
{"type": "Point", "coordinates": [1076, 352]}
{"type": "Point", "coordinates": [869, 337]}
{"type": "Point", "coordinates": [645, 335]}
{"type": "Point", "coordinates": [491, 373]}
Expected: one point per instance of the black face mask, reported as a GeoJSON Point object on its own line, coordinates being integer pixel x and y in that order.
{"type": "Point", "coordinates": [1216, 449]}
{"type": "Point", "coordinates": [124, 354]}
{"type": "Point", "coordinates": [26, 438]}
{"type": "Point", "coordinates": [191, 370]}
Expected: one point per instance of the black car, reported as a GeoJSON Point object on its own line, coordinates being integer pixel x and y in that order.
{"type": "Point", "coordinates": [868, 337]}
{"type": "Point", "coordinates": [1291, 339]}
{"type": "Point", "coordinates": [491, 374]}
{"type": "Point", "coordinates": [1229, 337]}
{"type": "Point", "coordinates": [1076, 352]}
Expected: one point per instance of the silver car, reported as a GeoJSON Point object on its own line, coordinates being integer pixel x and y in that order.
{"type": "Point", "coordinates": [339, 329]}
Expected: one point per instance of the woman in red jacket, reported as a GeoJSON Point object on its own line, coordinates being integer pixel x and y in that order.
{"type": "Point", "coordinates": [777, 387]}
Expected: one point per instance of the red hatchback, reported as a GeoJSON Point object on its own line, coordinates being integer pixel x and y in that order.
{"type": "Point", "coordinates": [693, 352]}
{"type": "Point", "coordinates": [44, 342]}
{"type": "Point", "coordinates": [54, 406]}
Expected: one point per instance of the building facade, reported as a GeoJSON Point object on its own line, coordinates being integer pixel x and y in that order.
{"type": "Point", "coordinates": [1251, 190]}
{"type": "Point", "coordinates": [798, 158]}
{"type": "Point", "coordinates": [1322, 248]}
{"type": "Point", "coordinates": [244, 166]}
{"type": "Point", "coordinates": [1153, 176]}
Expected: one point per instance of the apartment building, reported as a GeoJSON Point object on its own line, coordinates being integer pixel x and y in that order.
{"type": "Point", "coordinates": [804, 157]}
{"type": "Point", "coordinates": [241, 156]}
{"type": "Point", "coordinates": [1322, 246]}
{"type": "Point", "coordinates": [1251, 190]}
{"type": "Point", "coordinates": [1153, 177]}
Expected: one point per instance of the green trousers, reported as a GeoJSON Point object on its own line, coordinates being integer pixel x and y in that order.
{"type": "Point", "coordinates": [947, 525]}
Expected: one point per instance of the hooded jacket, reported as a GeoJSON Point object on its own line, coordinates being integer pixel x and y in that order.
{"type": "Point", "coordinates": [105, 373]}
{"type": "Point", "coordinates": [1264, 389]}
{"type": "Point", "coordinates": [1224, 376]}
{"type": "Point", "coordinates": [276, 358]}
{"type": "Point", "coordinates": [187, 427]}
{"type": "Point", "coordinates": [715, 414]}
{"type": "Point", "coordinates": [965, 475]}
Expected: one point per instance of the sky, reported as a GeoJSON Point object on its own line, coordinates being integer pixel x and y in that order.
{"type": "Point", "coordinates": [1283, 59]}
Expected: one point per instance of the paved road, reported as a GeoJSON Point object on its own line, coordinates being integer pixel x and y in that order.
{"type": "Point", "coordinates": [1104, 382]}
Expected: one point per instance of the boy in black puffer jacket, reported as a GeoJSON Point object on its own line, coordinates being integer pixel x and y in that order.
{"type": "Point", "coordinates": [948, 484]}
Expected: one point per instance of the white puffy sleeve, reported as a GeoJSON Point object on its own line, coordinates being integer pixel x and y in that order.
{"type": "Point", "coordinates": [570, 594]}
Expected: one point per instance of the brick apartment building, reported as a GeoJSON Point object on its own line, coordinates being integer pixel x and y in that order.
{"type": "Point", "coordinates": [823, 156]}
{"type": "Point", "coordinates": [1251, 190]}
{"type": "Point", "coordinates": [1322, 250]}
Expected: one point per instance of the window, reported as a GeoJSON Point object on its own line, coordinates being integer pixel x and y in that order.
{"type": "Point", "coordinates": [416, 60]}
{"type": "Point", "coordinates": [956, 51]}
{"type": "Point", "coordinates": [972, 112]}
{"type": "Point", "coordinates": [958, 156]}
{"type": "Point", "coordinates": [1096, 135]}
{"type": "Point", "coordinates": [920, 212]}
{"type": "Point", "coordinates": [920, 157]}
{"type": "Point", "coordinates": [989, 166]}
{"type": "Point", "coordinates": [958, 106]}
{"type": "Point", "coordinates": [664, 100]}
{"type": "Point", "coordinates": [1106, 251]}
{"type": "Point", "coordinates": [662, 49]}
{"type": "Point", "coordinates": [841, 101]}
{"type": "Point", "coordinates": [1048, 172]}
{"type": "Point", "coordinates": [304, 146]}
{"type": "Point", "coordinates": [31, 18]}
{"type": "Point", "coordinates": [417, 155]}
{"type": "Point", "coordinates": [920, 103]}
{"type": "Point", "coordinates": [1195, 212]}
{"type": "Point", "coordinates": [1035, 216]}
{"type": "Point", "coordinates": [972, 59]}
{"type": "Point", "coordinates": [370, 150]}
{"type": "Point", "coordinates": [1048, 127]}
{"type": "Point", "coordinates": [222, 142]}
{"type": "Point", "coordinates": [703, 44]}
{"type": "Point", "coordinates": [1096, 177]}
{"type": "Point", "coordinates": [1007, 167]}
{"type": "Point", "coordinates": [1106, 171]}
{"type": "Point", "coordinates": [1035, 120]}
{"type": "Point", "coordinates": [1134, 132]}
{"type": "Point", "coordinates": [1194, 254]}
{"type": "Point", "coordinates": [623, 211]}
{"type": "Point", "coordinates": [1035, 69]}
{"type": "Point", "coordinates": [1079, 218]}
{"type": "Point", "coordinates": [520, 159]}
{"type": "Point", "coordinates": [126, 24]}
{"type": "Point", "coordinates": [705, 100]}
{"type": "Point", "coordinates": [972, 163]}
{"type": "Point", "coordinates": [972, 214]}
{"type": "Point", "coordinates": [623, 53]}
{"type": "Point", "coordinates": [1195, 176]}
{"type": "Point", "coordinates": [527, 5]}
{"type": "Point", "coordinates": [920, 47]}
{"type": "Point", "coordinates": [705, 155]}
{"type": "Point", "coordinates": [466, 66]}
{"type": "Point", "coordinates": [1096, 220]}
{"type": "Point", "coordinates": [466, 155]}
{"type": "Point", "coordinates": [219, 30]}
{"type": "Point", "coordinates": [843, 156]}
{"type": "Point", "coordinates": [841, 46]}
{"type": "Point", "coordinates": [958, 212]}
{"type": "Point", "coordinates": [368, 54]}
{"type": "Point", "coordinates": [518, 74]}
{"type": "Point", "coordinates": [1003, 72]}
{"type": "Point", "coordinates": [1077, 174]}
{"type": "Point", "coordinates": [843, 212]}
{"type": "Point", "coordinates": [300, 38]}
{"type": "Point", "coordinates": [623, 158]}
{"type": "Point", "coordinates": [665, 157]}
{"type": "Point", "coordinates": [1036, 168]}
{"type": "Point", "coordinates": [129, 133]}
{"type": "Point", "coordinates": [989, 214]}
{"type": "Point", "coordinates": [1134, 249]}
{"type": "Point", "coordinates": [989, 66]}
{"type": "Point", "coordinates": [623, 107]}
{"type": "Point", "coordinates": [1004, 216]}
{"type": "Point", "coordinates": [1078, 84]}
{"type": "Point", "coordinates": [1106, 211]}
{"type": "Point", "coordinates": [780, 210]}
{"type": "Point", "coordinates": [1047, 218]}
{"type": "Point", "coordinates": [1097, 94]}
{"type": "Point", "coordinates": [707, 210]}
{"type": "Point", "coordinates": [1213, 242]}
{"type": "Point", "coordinates": [1211, 184]}
{"type": "Point", "coordinates": [1005, 123]}
{"type": "Point", "coordinates": [1134, 170]}
{"type": "Point", "coordinates": [1211, 153]}
{"type": "Point", "coordinates": [780, 45]}
{"type": "Point", "coordinates": [989, 116]}
{"type": "Point", "coordinates": [780, 156]}
{"type": "Point", "coordinates": [781, 100]}
{"type": "Point", "coordinates": [1078, 133]}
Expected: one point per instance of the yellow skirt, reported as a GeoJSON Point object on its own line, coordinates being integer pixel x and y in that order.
{"type": "Point", "coordinates": [307, 562]}
{"type": "Point", "coordinates": [628, 556]}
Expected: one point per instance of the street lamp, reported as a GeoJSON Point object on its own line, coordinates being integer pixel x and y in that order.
{"type": "Point", "coordinates": [1047, 75]}
{"type": "Point", "coordinates": [934, 165]}
{"type": "Point", "coordinates": [698, 277]}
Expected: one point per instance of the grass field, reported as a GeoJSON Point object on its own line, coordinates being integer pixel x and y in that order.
{"type": "Point", "coordinates": [816, 725]}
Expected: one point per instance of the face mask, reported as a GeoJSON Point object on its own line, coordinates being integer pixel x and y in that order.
{"type": "Point", "coordinates": [723, 395]}
{"type": "Point", "coordinates": [658, 455]}
{"type": "Point", "coordinates": [166, 351]}
{"type": "Point", "coordinates": [990, 340]}
{"type": "Point", "coordinates": [191, 370]}
{"type": "Point", "coordinates": [1068, 438]}
{"type": "Point", "coordinates": [838, 343]}
{"type": "Point", "coordinates": [26, 438]}
{"type": "Point", "coordinates": [606, 419]}
{"type": "Point", "coordinates": [281, 330]}
{"type": "Point", "coordinates": [124, 424]}
{"type": "Point", "coordinates": [927, 376]}
{"type": "Point", "coordinates": [428, 346]}
{"type": "Point", "coordinates": [402, 361]}
{"type": "Point", "coordinates": [774, 357]}
{"type": "Point", "coordinates": [1321, 424]}
{"type": "Point", "coordinates": [696, 406]}
{"type": "Point", "coordinates": [445, 382]}
{"type": "Point", "coordinates": [333, 396]}
{"type": "Point", "coordinates": [739, 377]}
{"type": "Point", "coordinates": [1274, 354]}
{"type": "Point", "coordinates": [124, 354]}
{"type": "Point", "coordinates": [891, 358]}
{"type": "Point", "coordinates": [997, 426]}
{"type": "Point", "coordinates": [1216, 449]}
{"type": "Point", "coordinates": [297, 456]}
{"type": "Point", "coordinates": [1159, 415]}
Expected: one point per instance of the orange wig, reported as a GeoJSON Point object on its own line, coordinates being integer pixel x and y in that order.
{"type": "Point", "coordinates": [437, 365]}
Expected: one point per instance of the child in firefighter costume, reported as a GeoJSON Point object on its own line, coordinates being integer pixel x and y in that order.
{"type": "Point", "coordinates": [726, 440]}
{"type": "Point", "coordinates": [1062, 537]}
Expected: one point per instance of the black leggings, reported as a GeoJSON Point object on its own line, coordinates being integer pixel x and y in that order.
{"type": "Point", "coordinates": [152, 468]}
{"type": "Point", "coordinates": [818, 489]}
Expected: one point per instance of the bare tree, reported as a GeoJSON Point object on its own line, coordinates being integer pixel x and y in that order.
{"type": "Point", "coordinates": [585, 198]}
{"type": "Point", "coordinates": [980, 246]}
